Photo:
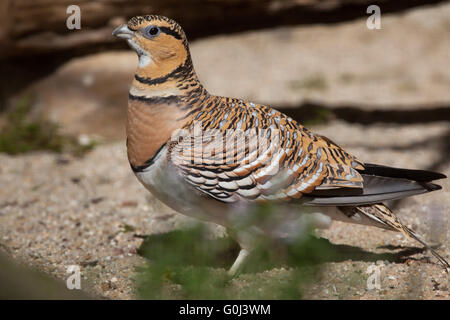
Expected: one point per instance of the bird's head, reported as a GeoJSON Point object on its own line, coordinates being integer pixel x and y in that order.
{"type": "Point", "coordinates": [159, 42]}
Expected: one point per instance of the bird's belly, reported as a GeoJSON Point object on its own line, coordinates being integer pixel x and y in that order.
{"type": "Point", "coordinates": [286, 221]}
{"type": "Point", "coordinates": [170, 188]}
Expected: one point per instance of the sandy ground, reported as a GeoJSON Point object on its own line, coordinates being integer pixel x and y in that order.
{"type": "Point", "coordinates": [57, 210]}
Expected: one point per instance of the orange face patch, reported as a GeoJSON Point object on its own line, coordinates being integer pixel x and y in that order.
{"type": "Point", "coordinates": [162, 40]}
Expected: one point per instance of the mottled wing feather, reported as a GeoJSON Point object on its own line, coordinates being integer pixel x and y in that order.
{"type": "Point", "coordinates": [240, 150]}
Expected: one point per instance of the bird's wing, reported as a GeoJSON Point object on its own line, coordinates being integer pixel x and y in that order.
{"type": "Point", "coordinates": [241, 151]}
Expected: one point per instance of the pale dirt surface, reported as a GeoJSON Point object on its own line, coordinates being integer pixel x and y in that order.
{"type": "Point", "coordinates": [67, 211]}
{"type": "Point", "coordinates": [57, 210]}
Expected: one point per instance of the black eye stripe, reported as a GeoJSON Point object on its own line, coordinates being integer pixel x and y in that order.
{"type": "Point", "coordinates": [170, 32]}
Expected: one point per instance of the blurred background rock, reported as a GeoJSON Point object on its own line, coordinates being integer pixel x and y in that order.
{"type": "Point", "coordinates": [382, 94]}
{"type": "Point", "coordinates": [19, 282]}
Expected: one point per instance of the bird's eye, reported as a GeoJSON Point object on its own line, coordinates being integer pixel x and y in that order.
{"type": "Point", "coordinates": [152, 32]}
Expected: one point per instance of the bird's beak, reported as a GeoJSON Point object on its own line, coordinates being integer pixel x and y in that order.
{"type": "Point", "coordinates": [123, 32]}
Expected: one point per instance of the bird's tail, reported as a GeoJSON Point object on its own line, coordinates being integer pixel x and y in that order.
{"type": "Point", "coordinates": [380, 183]}
{"type": "Point", "coordinates": [383, 217]}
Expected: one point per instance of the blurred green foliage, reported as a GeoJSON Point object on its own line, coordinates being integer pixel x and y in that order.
{"type": "Point", "coordinates": [191, 264]}
{"type": "Point", "coordinates": [21, 134]}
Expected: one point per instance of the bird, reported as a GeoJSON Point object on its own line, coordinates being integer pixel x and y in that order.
{"type": "Point", "coordinates": [215, 158]}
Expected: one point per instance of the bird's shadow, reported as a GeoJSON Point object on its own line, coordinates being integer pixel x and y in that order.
{"type": "Point", "coordinates": [346, 252]}
{"type": "Point", "coordinates": [190, 248]}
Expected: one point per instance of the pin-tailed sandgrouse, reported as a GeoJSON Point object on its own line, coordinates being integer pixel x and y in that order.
{"type": "Point", "coordinates": [214, 157]}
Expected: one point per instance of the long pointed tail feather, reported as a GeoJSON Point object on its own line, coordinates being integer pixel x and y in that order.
{"type": "Point", "coordinates": [383, 217]}
{"type": "Point", "coordinates": [416, 237]}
